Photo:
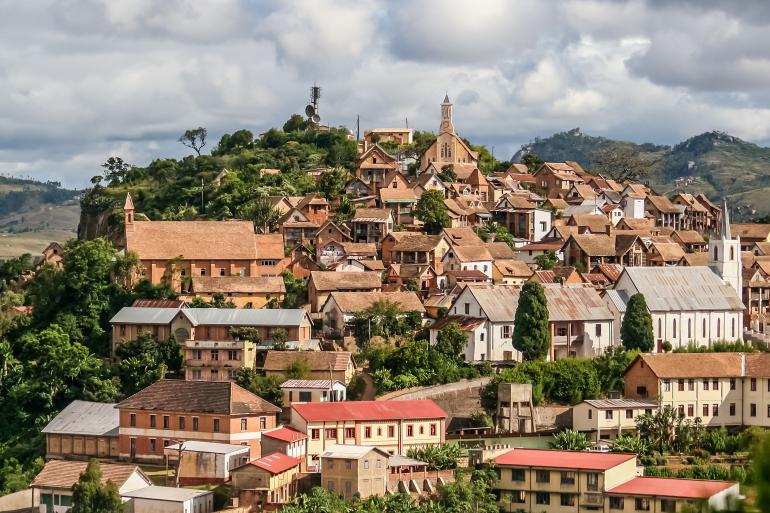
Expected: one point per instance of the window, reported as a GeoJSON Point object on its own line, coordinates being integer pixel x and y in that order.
{"type": "Point", "coordinates": [768, 410]}
{"type": "Point", "coordinates": [216, 425]}
{"type": "Point", "coordinates": [590, 414]}
{"type": "Point", "coordinates": [506, 332]}
{"type": "Point", "coordinates": [732, 322]}
{"type": "Point", "coordinates": [262, 423]}
{"type": "Point", "coordinates": [568, 478]}
{"type": "Point", "coordinates": [481, 336]}
{"type": "Point", "coordinates": [410, 430]}
{"type": "Point", "coordinates": [732, 409]}
{"type": "Point", "coordinates": [543, 498]}
{"type": "Point", "coordinates": [166, 422]}
{"type": "Point", "coordinates": [467, 309]}
{"type": "Point", "coordinates": [214, 374]}
{"type": "Point", "coordinates": [132, 420]}
{"type": "Point", "coordinates": [517, 474]}
{"type": "Point", "coordinates": [673, 329]}
{"type": "Point", "coordinates": [215, 355]}
{"type": "Point", "coordinates": [689, 328]}
{"type": "Point", "coordinates": [315, 434]}
{"type": "Point", "coordinates": [592, 479]}
{"type": "Point", "coordinates": [643, 503]}
{"type": "Point", "coordinates": [629, 414]}
{"type": "Point", "coordinates": [715, 385]}
{"type": "Point", "coordinates": [542, 476]}
{"type": "Point", "coordinates": [244, 424]}
{"type": "Point", "coordinates": [203, 272]}
{"type": "Point", "coordinates": [690, 385]}
{"type": "Point", "coordinates": [680, 410]}
{"type": "Point", "coordinates": [598, 330]}
{"type": "Point", "coordinates": [391, 431]}
{"type": "Point", "coordinates": [648, 411]}
{"type": "Point", "coordinates": [153, 422]}
{"type": "Point", "coordinates": [366, 464]}
{"type": "Point", "coordinates": [704, 328]}
{"type": "Point", "coordinates": [330, 433]}
{"type": "Point", "coordinates": [668, 505]}
{"type": "Point", "coordinates": [197, 354]}
{"type": "Point", "coordinates": [719, 328]}
{"type": "Point", "coordinates": [567, 499]}
{"type": "Point", "coordinates": [181, 423]}
{"type": "Point", "coordinates": [350, 432]}
{"type": "Point", "coordinates": [680, 385]}
{"type": "Point", "coordinates": [768, 385]}
{"type": "Point", "coordinates": [714, 410]}
{"type": "Point", "coordinates": [379, 463]}
{"type": "Point", "coordinates": [616, 503]}
{"type": "Point", "coordinates": [433, 430]}
{"type": "Point", "coordinates": [330, 485]}
{"type": "Point", "coordinates": [330, 464]}
{"type": "Point", "coordinates": [660, 327]}
{"type": "Point", "coordinates": [422, 430]}
{"type": "Point", "coordinates": [348, 464]}
{"type": "Point", "coordinates": [753, 384]}
{"type": "Point", "coordinates": [732, 383]}
{"type": "Point", "coordinates": [153, 444]}
{"type": "Point", "coordinates": [690, 410]}
{"type": "Point", "coordinates": [232, 355]}
{"type": "Point", "coordinates": [608, 414]}
{"type": "Point", "coordinates": [367, 432]}
{"type": "Point", "coordinates": [705, 410]}
{"type": "Point", "coordinates": [753, 410]}
{"type": "Point", "coordinates": [705, 384]}
{"type": "Point", "coordinates": [305, 396]}
{"type": "Point", "coordinates": [518, 496]}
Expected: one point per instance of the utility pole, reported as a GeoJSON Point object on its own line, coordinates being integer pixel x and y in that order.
{"type": "Point", "coordinates": [358, 128]}
{"type": "Point", "coordinates": [406, 121]}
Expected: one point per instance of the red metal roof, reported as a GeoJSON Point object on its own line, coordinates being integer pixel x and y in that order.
{"type": "Point", "coordinates": [285, 434]}
{"type": "Point", "coordinates": [563, 459]}
{"type": "Point", "coordinates": [157, 303]}
{"type": "Point", "coordinates": [370, 410]}
{"type": "Point", "coordinates": [276, 463]}
{"type": "Point", "coordinates": [670, 487]}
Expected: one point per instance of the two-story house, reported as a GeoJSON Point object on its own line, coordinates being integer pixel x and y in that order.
{"type": "Point", "coordinates": [606, 419]}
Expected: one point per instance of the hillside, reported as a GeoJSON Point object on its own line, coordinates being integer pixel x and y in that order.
{"type": "Point", "coordinates": [715, 163]}
{"type": "Point", "coordinates": [32, 214]}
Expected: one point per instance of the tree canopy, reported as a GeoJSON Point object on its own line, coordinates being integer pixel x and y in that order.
{"type": "Point", "coordinates": [89, 495]}
{"type": "Point", "coordinates": [530, 329]}
{"type": "Point", "coordinates": [636, 331]}
{"type": "Point", "coordinates": [432, 211]}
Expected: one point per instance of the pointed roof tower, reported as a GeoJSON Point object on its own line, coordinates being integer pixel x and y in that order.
{"type": "Point", "coordinates": [725, 221]}
{"type": "Point", "coordinates": [129, 204]}
{"type": "Point", "coordinates": [128, 211]}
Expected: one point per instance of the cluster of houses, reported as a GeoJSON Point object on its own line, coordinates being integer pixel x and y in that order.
{"type": "Point", "coordinates": [610, 240]}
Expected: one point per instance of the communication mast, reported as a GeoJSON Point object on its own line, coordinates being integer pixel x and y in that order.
{"type": "Point", "coordinates": [311, 110]}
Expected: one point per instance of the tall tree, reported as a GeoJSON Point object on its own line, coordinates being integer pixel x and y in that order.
{"type": "Point", "coordinates": [89, 495]}
{"type": "Point", "coordinates": [115, 170]}
{"type": "Point", "coordinates": [432, 211]}
{"type": "Point", "coordinates": [532, 161]}
{"type": "Point", "coordinates": [451, 341]}
{"type": "Point", "coordinates": [636, 330]}
{"type": "Point", "coordinates": [530, 330]}
{"type": "Point", "coordinates": [194, 138]}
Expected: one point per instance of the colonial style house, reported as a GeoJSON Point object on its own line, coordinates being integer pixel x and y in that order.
{"type": "Point", "coordinates": [664, 211]}
{"type": "Point", "coordinates": [371, 224]}
{"type": "Point", "coordinates": [449, 148]}
{"type": "Point", "coordinates": [297, 227]}
{"type": "Point", "coordinates": [312, 391]}
{"type": "Point", "coordinates": [170, 411]}
{"type": "Point", "coordinates": [242, 291]}
{"type": "Point", "coordinates": [574, 481]}
{"type": "Point", "coordinates": [589, 250]}
{"type": "Point", "coordinates": [267, 482]}
{"type": "Point", "coordinates": [722, 389]}
{"type": "Point", "coordinates": [82, 431]}
{"type": "Point", "coordinates": [579, 321]}
{"type": "Point", "coordinates": [340, 309]}
{"type": "Point", "coordinates": [687, 304]}
{"type": "Point", "coordinates": [555, 179]}
{"type": "Point", "coordinates": [522, 218]}
{"type": "Point", "coordinates": [510, 272]}
{"type": "Point", "coordinates": [696, 215]}
{"type": "Point", "coordinates": [355, 471]}
{"type": "Point", "coordinates": [392, 426]}
{"type": "Point", "coordinates": [756, 295]}
{"type": "Point", "coordinates": [323, 283]}
{"type": "Point", "coordinates": [607, 419]}
{"type": "Point", "coordinates": [750, 233]}
{"type": "Point", "coordinates": [468, 258]}
{"type": "Point", "coordinates": [415, 248]}
{"type": "Point", "coordinates": [373, 165]}
{"type": "Point", "coordinates": [423, 275]}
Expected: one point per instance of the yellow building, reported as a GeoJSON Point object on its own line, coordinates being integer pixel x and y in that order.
{"type": "Point", "coordinates": [350, 470]}
{"type": "Point", "coordinates": [449, 148]}
{"type": "Point", "coordinates": [267, 481]}
{"type": "Point", "coordinates": [392, 426]}
{"type": "Point", "coordinates": [606, 419]}
{"type": "Point", "coordinates": [570, 481]}
{"type": "Point", "coordinates": [243, 291]}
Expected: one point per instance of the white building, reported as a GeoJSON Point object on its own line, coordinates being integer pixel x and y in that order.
{"type": "Point", "coordinates": [166, 499]}
{"type": "Point", "coordinates": [580, 322]}
{"type": "Point", "coordinates": [206, 462]}
{"type": "Point", "coordinates": [468, 258]}
{"type": "Point", "coordinates": [687, 304]}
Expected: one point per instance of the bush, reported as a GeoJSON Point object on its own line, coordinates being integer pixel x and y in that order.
{"type": "Point", "coordinates": [658, 472]}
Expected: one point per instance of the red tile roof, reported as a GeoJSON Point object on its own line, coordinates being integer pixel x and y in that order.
{"type": "Point", "coordinates": [285, 434]}
{"type": "Point", "coordinates": [157, 303]}
{"type": "Point", "coordinates": [369, 410]}
{"type": "Point", "coordinates": [562, 459]}
{"type": "Point", "coordinates": [669, 487]}
{"type": "Point", "coordinates": [276, 463]}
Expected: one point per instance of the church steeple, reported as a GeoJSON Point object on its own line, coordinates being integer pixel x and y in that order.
{"type": "Point", "coordinates": [725, 232]}
{"type": "Point", "coordinates": [128, 211]}
{"type": "Point", "coordinates": [725, 254]}
{"type": "Point", "coordinates": [446, 116]}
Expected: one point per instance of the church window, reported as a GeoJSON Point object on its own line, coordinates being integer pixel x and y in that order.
{"type": "Point", "coordinates": [660, 328]}
{"type": "Point", "coordinates": [716, 253]}
{"type": "Point", "coordinates": [733, 327]}
{"type": "Point", "coordinates": [704, 328]}
{"type": "Point", "coordinates": [732, 253]}
{"type": "Point", "coordinates": [674, 329]}
{"type": "Point", "coordinates": [719, 328]}
{"type": "Point", "coordinates": [689, 328]}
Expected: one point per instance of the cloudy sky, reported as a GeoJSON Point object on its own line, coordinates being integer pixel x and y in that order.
{"type": "Point", "coordinates": [85, 79]}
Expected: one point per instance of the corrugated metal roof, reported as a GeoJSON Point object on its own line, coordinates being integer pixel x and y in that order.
{"type": "Point", "coordinates": [213, 447]}
{"type": "Point", "coordinates": [166, 493]}
{"type": "Point", "coordinates": [245, 316]}
{"type": "Point", "coordinates": [618, 299]}
{"type": "Point", "coordinates": [611, 404]}
{"type": "Point", "coordinates": [668, 289]}
{"type": "Point", "coordinates": [324, 384]}
{"type": "Point", "coordinates": [144, 315]}
{"type": "Point", "coordinates": [349, 451]}
{"type": "Point", "coordinates": [86, 418]}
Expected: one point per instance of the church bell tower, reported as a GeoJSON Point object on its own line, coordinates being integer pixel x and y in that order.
{"type": "Point", "coordinates": [446, 116]}
{"type": "Point", "coordinates": [725, 254]}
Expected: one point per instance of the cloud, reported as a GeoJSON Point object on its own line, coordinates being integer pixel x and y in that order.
{"type": "Point", "coordinates": [86, 79]}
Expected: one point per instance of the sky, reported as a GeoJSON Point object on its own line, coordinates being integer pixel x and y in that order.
{"type": "Point", "coordinates": [83, 80]}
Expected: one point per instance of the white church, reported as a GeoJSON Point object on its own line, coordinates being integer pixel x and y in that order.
{"type": "Point", "coordinates": [698, 305]}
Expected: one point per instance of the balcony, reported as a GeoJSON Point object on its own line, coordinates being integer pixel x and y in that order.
{"type": "Point", "coordinates": [190, 362]}
{"type": "Point", "coordinates": [591, 499]}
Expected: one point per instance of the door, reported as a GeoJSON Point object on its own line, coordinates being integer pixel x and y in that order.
{"type": "Point", "coordinates": [132, 455]}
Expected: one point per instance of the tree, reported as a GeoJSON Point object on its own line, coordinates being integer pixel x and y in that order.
{"type": "Point", "coordinates": [345, 211]}
{"type": "Point", "coordinates": [268, 388]}
{"type": "Point", "coordinates": [296, 123]}
{"type": "Point", "coordinates": [146, 360]}
{"type": "Point", "coordinates": [296, 290]}
{"type": "Point", "coordinates": [89, 495]}
{"type": "Point", "coordinates": [570, 440]}
{"type": "Point", "coordinates": [629, 443]}
{"type": "Point", "coordinates": [332, 183]}
{"type": "Point", "coordinates": [546, 260]}
{"type": "Point", "coordinates": [448, 174]}
{"type": "Point", "coordinates": [115, 170]}
{"type": "Point", "coordinates": [761, 464]}
{"type": "Point", "coordinates": [432, 211]}
{"type": "Point", "coordinates": [530, 329]}
{"type": "Point", "coordinates": [611, 366]}
{"type": "Point", "coordinates": [636, 331]}
{"type": "Point", "coordinates": [451, 341]}
{"type": "Point", "coordinates": [280, 336]}
{"type": "Point", "coordinates": [438, 457]}
{"type": "Point", "coordinates": [532, 161]}
{"type": "Point", "coordinates": [262, 213]}
{"type": "Point", "coordinates": [194, 138]}
{"type": "Point", "coordinates": [625, 163]}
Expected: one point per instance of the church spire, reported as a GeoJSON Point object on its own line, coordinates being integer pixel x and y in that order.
{"type": "Point", "coordinates": [128, 211]}
{"type": "Point", "coordinates": [446, 116]}
{"type": "Point", "coordinates": [725, 221]}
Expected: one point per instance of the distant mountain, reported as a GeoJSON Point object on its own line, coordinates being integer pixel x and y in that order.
{"type": "Point", "coordinates": [717, 164]}
{"type": "Point", "coordinates": [33, 213]}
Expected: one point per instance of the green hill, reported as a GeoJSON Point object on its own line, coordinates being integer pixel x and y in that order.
{"type": "Point", "coordinates": [33, 213]}
{"type": "Point", "coordinates": [715, 163]}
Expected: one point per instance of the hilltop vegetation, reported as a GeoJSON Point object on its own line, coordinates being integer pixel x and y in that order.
{"type": "Point", "coordinates": [714, 163]}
